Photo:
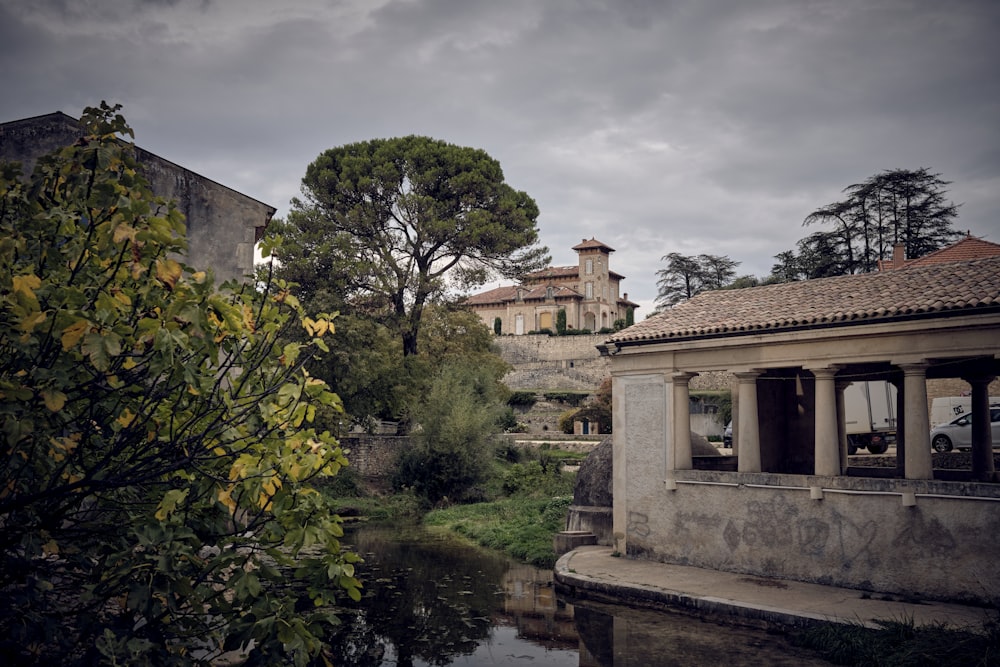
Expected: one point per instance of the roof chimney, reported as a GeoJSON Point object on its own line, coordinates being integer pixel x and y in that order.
{"type": "Point", "coordinates": [898, 255]}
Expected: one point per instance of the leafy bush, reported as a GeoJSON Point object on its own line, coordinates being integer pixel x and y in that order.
{"type": "Point", "coordinates": [566, 420]}
{"type": "Point", "coordinates": [157, 447]}
{"type": "Point", "coordinates": [522, 398]}
{"type": "Point", "coordinates": [570, 397]}
{"type": "Point", "coordinates": [452, 450]}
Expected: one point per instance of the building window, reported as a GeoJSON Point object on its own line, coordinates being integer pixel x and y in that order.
{"type": "Point", "coordinates": [590, 266]}
{"type": "Point", "coordinates": [590, 290]}
{"type": "Point", "coordinates": [605, 292]}
{"type": "Point", "coordinates": [548, 292]}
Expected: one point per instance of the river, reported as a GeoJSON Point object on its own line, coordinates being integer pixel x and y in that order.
{"type": "Point", "coordinates": [430, 599]}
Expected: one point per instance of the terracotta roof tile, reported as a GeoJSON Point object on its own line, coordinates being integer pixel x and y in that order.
{"type": "Point", "coordinates": [552, 272]}
{"type": "Point", "coordinates": [592, 244]}
{"type": "Point", "coordinates": [839, 301]}
{"type": "Point", "coordinates": [968, 248]}
{"type": "Point", "coordinates": [502, 295]}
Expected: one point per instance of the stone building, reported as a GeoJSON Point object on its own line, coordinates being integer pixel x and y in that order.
{"type": "Point", "coordinates": [588, 292]}
{"type": "Point", "coordinates": [222, 224]}
{"type": "Point", "coordinates": [788, 504]}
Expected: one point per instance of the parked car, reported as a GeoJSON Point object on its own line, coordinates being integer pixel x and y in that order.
{"type": "Point", "coordinates": [957, 434]}
{"type": "Point", "coordinates": [727, 435]}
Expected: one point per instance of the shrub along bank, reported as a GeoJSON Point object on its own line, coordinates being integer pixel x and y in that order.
{"type": "Point", "coordinates": [524, 503]}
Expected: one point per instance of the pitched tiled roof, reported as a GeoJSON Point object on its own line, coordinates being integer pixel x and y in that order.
{"type": "Point", "coordinates": [552, 272]}
{"type": "Point", "coordinates": [968, 248]}
{"type": "Point", "coordinates": [592, 244]}
{"type": "Point", "coordinates": [498, 295]}
{"type": "Point", "coordinates": [919, 291]}
{"type": "Point", "coordinates": [502, 295]}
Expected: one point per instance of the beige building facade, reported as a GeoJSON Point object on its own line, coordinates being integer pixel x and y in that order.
{"type": "Point", "coordinates": [589, 293]}
{"type": "Point", "coordinates": [788, 504]}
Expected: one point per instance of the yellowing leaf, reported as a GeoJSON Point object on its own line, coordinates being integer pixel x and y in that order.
{"type": "Point", "coordinates": [226, 499]}
{"type": "Point", "coordinates": [72, 334]}
{"type": "Point", "coordinates": [168, 272]}
{"type": "Point", "coordinates": [169, 503]}
{"type": "Point", "coordinates": [124, 232]}
{"type": "Point", "coordinates": [54, 400]}
{"type": "Point", "coordinates": [126, 418]}
{"type": "Point", "coordinates": [27, 284]}
{"type": "Point", "coordinates": [50, 548]}
{"type": "Point", "coordinates": [29, 323]}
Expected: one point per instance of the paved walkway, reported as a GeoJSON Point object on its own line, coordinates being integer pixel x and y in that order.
{"type": "Point", "coordinates": [592, 572]}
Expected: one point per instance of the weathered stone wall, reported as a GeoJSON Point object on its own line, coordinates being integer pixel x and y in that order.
{"type": "Point", "coordinates": [553, 362]}
{"type": "Point", "coordinates": [859, 533]}
{"type": "Point", "coordinates": [374, 455]}
{"type": "Point", "coordinates": [222, 224]}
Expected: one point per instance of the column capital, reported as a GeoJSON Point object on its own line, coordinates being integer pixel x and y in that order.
{"type": "Point", "coordinates": [914, 368]}
{"type": "Point", "coordinates": [682, 377]}
{"type": "Point", "coordinates": [825, 372]}
{"type": "Point", "coordinates": [982, 379]}
{"type": "Point", "coordinates": [747, 376]}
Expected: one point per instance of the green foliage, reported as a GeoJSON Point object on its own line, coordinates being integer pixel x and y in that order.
{"type": "Point", "coordinates": [722, 399]}
{"type": "Point", "coordinates": [561, 321]}
{"type": "Point", "coordinates": [522, 527]}
{"type": "Point", "coordinates": [566, 420]}
{"type": "Point", "coordinates": [522, 398]}
{"type": "Point", "coordinates": [453, 449]}
{"type": "Point", "coordinates": [570, 397]}
{"type": "Point", "coordinates": [899, 643]}
{"type": "Point", "coordinates": [629, 316]}
{"type": "Point", "coordinates": [685, 276]}
{"type": "Point", "coordinates": [157, 439]}
{"type": "Point", "coordinates": [497, 326]}
{"type": "Point", "coordinates": [390, 223]}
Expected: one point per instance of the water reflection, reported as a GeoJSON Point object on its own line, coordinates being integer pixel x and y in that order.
{"type": "Point", "coordinates": [430, 600]}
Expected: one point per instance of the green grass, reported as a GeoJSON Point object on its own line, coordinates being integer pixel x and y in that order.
{"type": "Point", "coordinates": [901, 644]}
{"type": "Point", "coordinates": [526, 499]}
{"type": "Point", "coordinates": [520, 527]}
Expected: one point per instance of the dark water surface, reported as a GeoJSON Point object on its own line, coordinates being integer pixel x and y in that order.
{"type": "Point", "coordinates": [432, 600]}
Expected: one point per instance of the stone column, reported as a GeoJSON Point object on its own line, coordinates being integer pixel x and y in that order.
{"type": "Point", "coordinates": [982, 438]}
{"type": "Point", "coordinates": [682, 421]}
{"type": "Point", "coordinates": [916, 422]}
{"type": "Point", "coordinates": [842, 425]}
{"type": "Point", "coordinates": [900, 430]}
{"type": "Point", "coordinates": [748, 459]}
{"type": "Point", "coordinates": [827, 444]}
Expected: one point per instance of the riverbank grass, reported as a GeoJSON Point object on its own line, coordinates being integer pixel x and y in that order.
{"type": "Point", "coordinates": [900, 643]}
{"type": "Point", "coordinates": [522, 528]}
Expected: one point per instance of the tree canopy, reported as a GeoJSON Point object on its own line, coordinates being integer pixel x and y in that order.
{"type": "Point", "coordinates": [157, 439]}
{"type": "Point", "coordinates": [898, 206]}
{"type": "Point", "coordinates": [686, 275]}
{"type": "Point", "coordinates": [392, 224]}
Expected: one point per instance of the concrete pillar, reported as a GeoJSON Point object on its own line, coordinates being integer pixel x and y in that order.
{"type": "Point", "coordinates": [827, 442]}
{"type": "Point", "coordinates": [682, 421]}
{"type": "Point", "coordinates": [982, 437]}
{"type": "Point", "coordinates": [748, 459]}
{"type": "Point", "coordinates": [916, 424]}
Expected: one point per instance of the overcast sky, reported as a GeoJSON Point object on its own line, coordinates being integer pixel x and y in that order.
{"type": "Point", "coordinates": [691, 126]}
